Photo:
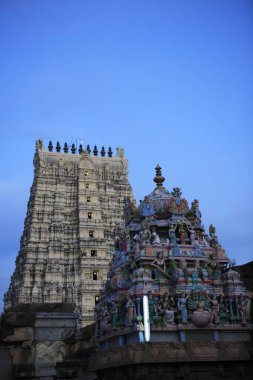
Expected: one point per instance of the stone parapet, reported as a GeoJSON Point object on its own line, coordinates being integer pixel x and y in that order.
{"type": "Point", "coordinates": [35, 341]}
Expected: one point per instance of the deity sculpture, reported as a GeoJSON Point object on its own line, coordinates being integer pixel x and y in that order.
{"type": "Point", "coordinates": [203, 240]}
{"type": "Point", "coordinates": [242, 309]}
{"type": "Point", "coordinates": [137, 240]}
{"type": "Point", "coordinates": [159, 261]}
{"type": "Point", "coordinates": [212, 230]}
{"type": "Point", "coordinates": [147, 207]}
{"type": "Point", "coordinates": [204, 272]}
{"type": "Point", "coordinates": [182, 307]}
{"type": "Point", "coordinates": [172, 233]}
{"type": "Point", "coordinates": [213, 237]}
{"type": "Point", "coordinates": [169, 316]}
{"type": "Point", "coordinates": [182, 234]}
{"type": "Point", "coordinates": [145, 234]}
{"type": "Point", "coordinates": [195, 274]}
{"type": "Point", "coordinates": [195, 211]}
{"type": "Point", "coordinates": [130, 311]}
{"type": "Point", "coordinates": [223, 310]}
{"type": "Point", "coordinates": [155, 239]}
{"type": "Point", "coordinates": [165, 309]}
{"type": "Point", "coordinates": [173, 239]}
{"type": "Point", "coordinates": [192, 234]}
{"type": "Point", "coordinates": [214, 309]}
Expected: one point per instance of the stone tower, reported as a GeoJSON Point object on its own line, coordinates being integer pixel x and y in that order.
{"type": "Point", "coordinates": [76, 201]}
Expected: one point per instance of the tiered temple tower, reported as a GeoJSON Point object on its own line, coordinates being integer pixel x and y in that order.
{"type": "Point", "coordinates": [76, 201]}
{"type": "Point", "coordinates": [164, 253]}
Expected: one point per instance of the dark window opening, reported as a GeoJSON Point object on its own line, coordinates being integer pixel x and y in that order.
{"type": "Point", "coordinates": [95, 275]}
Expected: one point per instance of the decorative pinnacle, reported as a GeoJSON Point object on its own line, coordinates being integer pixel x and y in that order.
{"type": "Point", "coordinates": [159, 179]}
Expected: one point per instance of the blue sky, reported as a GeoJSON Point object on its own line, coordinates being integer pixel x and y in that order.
{"type": "Point", "coordinates": [169, 80]}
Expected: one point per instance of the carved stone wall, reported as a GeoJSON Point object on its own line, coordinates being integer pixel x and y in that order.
{"type": "Point", "coordinates": [76, 200]}
{"type": "Point", "coordinates": [33, 340]}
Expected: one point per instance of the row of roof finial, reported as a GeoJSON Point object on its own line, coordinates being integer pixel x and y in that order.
{"type": "Point", "coordinates": [80, 149]}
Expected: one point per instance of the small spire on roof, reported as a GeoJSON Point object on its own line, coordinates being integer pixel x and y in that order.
{"type": "Point", "coordinates": [95, 151]}
{"type": "Point", "coordinates": [58, 147]}
{"type": "Point", "coordinates": [66, 148]}
{"type": "Point", "coordinates": [110, 152]}
{"type": "Point", "coordinates": [80, 150]}
{"type": "Point", "coordinates": [103, 151]}
{"type": "Point", "coordinates": [73, 149]}
{"type": "Point", "coordinates": [50, 146]}
{"type": "Point", "coordinates": [159, 179]}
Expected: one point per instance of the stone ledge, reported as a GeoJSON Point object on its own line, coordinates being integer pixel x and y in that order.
{"type": "Point", "coordinates": [178, 352]}
{"type": "Point", "coordinates": [20, 334]}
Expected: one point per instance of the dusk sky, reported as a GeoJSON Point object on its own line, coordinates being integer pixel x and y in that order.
{"type": "Point", "coordinates": [171, 81]}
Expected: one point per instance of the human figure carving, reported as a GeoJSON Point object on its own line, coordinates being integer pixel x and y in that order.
{"type": "Point", "coordinates": [145, 235]}
{"type": "Point", "coordinates": [155, 239]}
{"type": "Point", "coordinates": [160, 263]}
{"type": "Point", "coordinates": [242, 309]}
{"type": "Point", "coordinates": [192, 234]}
{"type": "Point", "coordinates": [165, 308]}
{"type": "Point", "coordinates": [182, 307]}
{"type": "Point", "coordinates": [172, 233]}
{"type": "Point", "coordinates": [182, 234]}
{"type": "Point", "coordinates": [130, 311]}
{"type": "Point", "coordinates": [214, 309]}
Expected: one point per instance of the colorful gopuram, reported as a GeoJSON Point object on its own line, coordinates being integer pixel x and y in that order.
{"type": "Point", "coordinates": [163, 251]}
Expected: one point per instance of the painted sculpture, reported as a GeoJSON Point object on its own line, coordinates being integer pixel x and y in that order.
{"type": "Point", "coordinates": [164, 252]}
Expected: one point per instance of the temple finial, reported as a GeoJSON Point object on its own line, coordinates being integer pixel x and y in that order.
{"type": "Point", "coordinates": [159, 179]}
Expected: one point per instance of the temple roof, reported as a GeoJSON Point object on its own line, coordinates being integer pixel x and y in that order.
{"type": "Point", "coordinates": [160, 204]}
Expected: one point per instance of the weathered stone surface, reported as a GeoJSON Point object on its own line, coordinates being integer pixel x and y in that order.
{"type": "Point", "coordinates": [22, 318]}
{"type": "Point", "coordinates": [182, 371]}
{"type": "Point", "coordinates": [20, 334]}
{"type": "Point", "coordinates": [53, 333]}
{"type": "Point", "coordinates": [44, 370]}
{"type": "Point", "coordinates": [46, 307]}
{"type": "Point", "coordinates": [20, 355]}
{"type": "Point", "coordinates": [56, 319]}
{"type": "Point", "coordinates": [48, 351]}
{"type": "Point", "coordinates": [171, 353]}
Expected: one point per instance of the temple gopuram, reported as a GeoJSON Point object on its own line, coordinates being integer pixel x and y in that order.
{"type": "Point", "coordinates": [198, 308]}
